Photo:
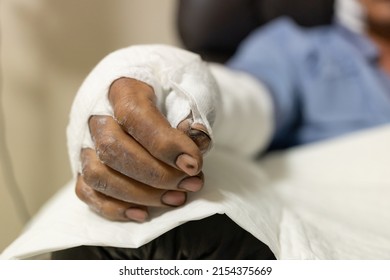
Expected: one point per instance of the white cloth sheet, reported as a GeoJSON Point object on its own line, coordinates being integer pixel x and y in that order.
{"type": "Point", "coordinates": [328, 200]}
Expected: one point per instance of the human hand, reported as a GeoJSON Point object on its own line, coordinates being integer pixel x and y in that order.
{"type": "Point", "coordinates": [140, 160]}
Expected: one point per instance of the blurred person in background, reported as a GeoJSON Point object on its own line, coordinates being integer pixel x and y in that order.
{"type": "Point", "coordinates": [322, 83]}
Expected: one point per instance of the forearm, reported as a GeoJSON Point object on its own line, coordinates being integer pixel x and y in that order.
{"type": "Point", "coordinates": [245, 121]}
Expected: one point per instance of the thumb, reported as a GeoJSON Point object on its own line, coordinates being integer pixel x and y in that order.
{"type": "Point", "coordinates": [197, 132]}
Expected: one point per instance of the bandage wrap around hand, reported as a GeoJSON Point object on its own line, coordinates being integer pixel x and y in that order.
{"type": "Point", "coordinates": [183, 85]}
{"type": "Point", "coordinates": [180, 79]}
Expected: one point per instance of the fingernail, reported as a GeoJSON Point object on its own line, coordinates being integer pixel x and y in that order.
{"type": "Point", "coordinates": [201, 139]}
{"type": "Point", "coordinates": [174, 198]}
{"type": "Point", "coordinates": [188, 164]}
{"type": "Point", "coordinates": [191, 184]}
{"type": "Point", "coordinates": [136, 214]}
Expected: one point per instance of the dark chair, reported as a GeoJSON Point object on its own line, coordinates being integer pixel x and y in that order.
{"type": "Point", "coordinates": [214, 28]}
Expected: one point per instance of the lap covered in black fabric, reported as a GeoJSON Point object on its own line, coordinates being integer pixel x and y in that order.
{"type": "Point", "coordinates": [212, 238]}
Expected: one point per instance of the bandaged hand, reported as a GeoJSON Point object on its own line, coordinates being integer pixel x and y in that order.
{"type": "Point", "coordinates": [143, 119]}
{"type": "Point", "coordinates": [133, 156]}
{"type": "Point", "coordinates": [139, 160]}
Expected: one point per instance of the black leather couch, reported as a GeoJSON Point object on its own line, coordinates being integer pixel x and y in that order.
{"type": "Point", "coordinates": [214, 28]}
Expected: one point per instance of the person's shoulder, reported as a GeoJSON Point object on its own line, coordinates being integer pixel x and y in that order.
{"type": "Point", "coordinates": [282, 24]}
{"type": "Point", "coordinates": [283, 27]}
{"type": "Point", "coordinates": [287, 32]}
{"type": "Point", "coordinates": [284, 37]}
{"type": "Point", "coordinates": [286, 27]}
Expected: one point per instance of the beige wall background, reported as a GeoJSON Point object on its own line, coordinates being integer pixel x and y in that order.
{"type": "Point", "coordinates": [47, 48]}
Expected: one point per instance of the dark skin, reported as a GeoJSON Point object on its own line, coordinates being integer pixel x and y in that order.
{"type": "Point", "coordinates": [141, 161]}
{"type": "Point", "coordinates": [378, 28]}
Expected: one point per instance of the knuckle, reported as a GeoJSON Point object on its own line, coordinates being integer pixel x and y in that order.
{"type": "Point", "coordinates": [98, 203]}
{"type": "Point", "coordinates": [89, 172]}
{"type": "Point", "coordinates": [157, 177]}
{"type": "Point", "coordinates": [105, 148]}
{"type": "Point", "coordinates": [80, 193]}
{"type": "Point", "coordinates": [95, 202]}
{"type": "Point", "coordinates": [97, 124]}
{"type": "Point", "coordinates": [94, 176]}
{"type": "Point", "coordinates": [83, 192]}
{"type": "Point", "coordinates": [100, 185]}
{"type": "Point", "coordinates": [124, 109]}
{"type": "Point", "coordinates": [89, 197]}
{"type": "Point", "coordinates": [161, 178]}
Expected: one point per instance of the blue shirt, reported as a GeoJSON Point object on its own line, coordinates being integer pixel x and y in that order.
{"type": "Point", "coordinates": [324, 81]}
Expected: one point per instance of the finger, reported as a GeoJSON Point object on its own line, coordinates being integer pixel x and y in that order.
{"type": "Point", "coordinates": [116, 185]}
{"type": "Point", "coordinates": [135, 109]}
{"type": "Point", "coordinates": [197, 132]}
{"type": "Point", "coordinates": [108, 207]}
{"type": "Point", "coordinates": [122, 153]}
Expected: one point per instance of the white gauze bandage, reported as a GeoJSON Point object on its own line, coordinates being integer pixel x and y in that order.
{"type": "Point", "coordinates": [184, 85]}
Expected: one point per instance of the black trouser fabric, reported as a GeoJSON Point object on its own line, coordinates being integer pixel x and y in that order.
{"type": "Point", "coordinates": [212, 238]}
